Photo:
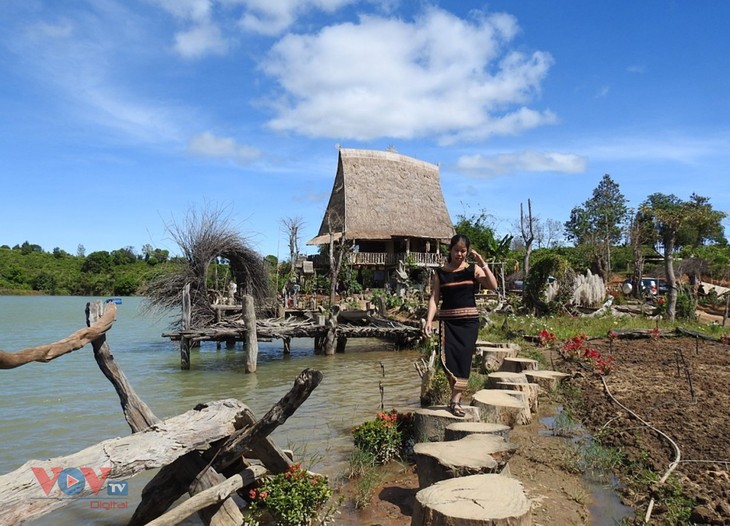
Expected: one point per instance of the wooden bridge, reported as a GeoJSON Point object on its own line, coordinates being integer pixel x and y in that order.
{"type": "Point", "coordinates": [329, 331]}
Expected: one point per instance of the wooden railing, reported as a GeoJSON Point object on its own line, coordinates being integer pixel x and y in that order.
{"type": "Point", "coordinates": [421, 259]}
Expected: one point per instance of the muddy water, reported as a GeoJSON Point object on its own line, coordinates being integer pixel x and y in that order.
{"type": "Point", "coordinates": [605, 505]}
{"type": "Point", "coordinates": [54, 409]}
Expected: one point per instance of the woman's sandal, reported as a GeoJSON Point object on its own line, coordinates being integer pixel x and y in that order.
{"type": "Point", "coordinates": [456, 409]}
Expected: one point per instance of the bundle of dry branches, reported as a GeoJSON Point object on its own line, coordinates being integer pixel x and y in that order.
{"type": "Point", "coordinates": [203, 237]}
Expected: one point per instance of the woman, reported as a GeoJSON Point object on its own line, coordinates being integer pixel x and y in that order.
{"type": "Point", "coordinates": [455, 284]}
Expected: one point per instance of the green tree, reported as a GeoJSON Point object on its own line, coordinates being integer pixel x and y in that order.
{"type": "Point", "coordinates": [481, 234]}
{"type": "Point", "coordinates": [97, 262]}
{"type": "Point", "coordinates": [672, 216]}
{"type": "Point", "coordinates": [599, 223]}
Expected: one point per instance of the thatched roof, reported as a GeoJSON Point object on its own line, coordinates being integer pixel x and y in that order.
{"type": "Point", "coordinates": [380, 195]}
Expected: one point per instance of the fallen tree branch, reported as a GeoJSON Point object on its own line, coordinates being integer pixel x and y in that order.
{"type": "Point", "coordinates": [31, 491]}
{"type": "Point", "coordinates": [46, 353]}
{"type": "Point", "coordinates": [173, 480]}
{"type": "Point", "coordinates": [210, 496]}
{"type": "Point", "coordinates": [236, 445]}
{"type": "Point", "coordinates": [139, 416]}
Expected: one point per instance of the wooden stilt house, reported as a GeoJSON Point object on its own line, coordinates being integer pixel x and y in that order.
{"type": "Point", "coordinates": [390, 207]}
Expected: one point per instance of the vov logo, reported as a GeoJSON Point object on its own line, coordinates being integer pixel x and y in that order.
{"type": "Point", "coordinates": [73, 481]}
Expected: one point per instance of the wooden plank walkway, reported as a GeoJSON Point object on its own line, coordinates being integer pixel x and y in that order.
{"type": "Point", "coordinates": [294, 327]}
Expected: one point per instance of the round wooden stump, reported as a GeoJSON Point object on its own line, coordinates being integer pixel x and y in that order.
{"type": "Point", "coordinates": [493, 379]}
{"type": "Point", "coordinates": [547, 380]}
{"type": "Point", "coordinates": [502, 407]}
{"type": "Point", "coordinates": [430, 423]}
{"type": "Point", "coordinates": [459, 430]}
{"type": "Point", "coordinates": [476, 500]}
{"type": "Point", "coordinates": [518, 364]}
{"type": "Point", "coordinates": [470, 455]}
{"type": "Point", "coordinates": [531, 390]}
{"type": "Point", "coordinates": [493, 357]}
{"type": "Point", "coordinates": [506, 345]}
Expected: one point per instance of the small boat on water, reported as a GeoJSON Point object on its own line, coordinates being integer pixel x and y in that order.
{"type": "Point", "coordinates": [118, 301]}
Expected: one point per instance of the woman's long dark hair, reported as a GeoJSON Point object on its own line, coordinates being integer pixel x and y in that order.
{"type": "Point", "coordinates": [455, 241]}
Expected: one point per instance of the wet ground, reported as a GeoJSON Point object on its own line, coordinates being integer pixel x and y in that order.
{"type": "Point", "coordinates": [679, 386]}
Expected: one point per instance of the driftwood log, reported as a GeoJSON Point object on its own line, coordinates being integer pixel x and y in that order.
{"type": "Point", "coordinates": [21, 493]}
{"type": "Point", "coordinates": [186, 447]}
{"type": "Point", "coordinates": [173, 480]}
{"type": "Point", "coordinates": [210, 497]}
{"type": "Point", "coordinates": [46, 353]}
{"type": "Point", "coordinates": [139, 416]}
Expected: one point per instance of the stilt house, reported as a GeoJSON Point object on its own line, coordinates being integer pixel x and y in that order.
{"type": "Point", "coordinates": [390, 207]}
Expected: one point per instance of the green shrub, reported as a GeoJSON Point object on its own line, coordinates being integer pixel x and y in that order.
{"type": "Point", "coordinates": [293, 498]}
{"type": "Point", "coordinates": [389, 436]}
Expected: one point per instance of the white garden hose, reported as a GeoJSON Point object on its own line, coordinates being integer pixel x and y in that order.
{"type": "Point", "coordinates": [672, 466]}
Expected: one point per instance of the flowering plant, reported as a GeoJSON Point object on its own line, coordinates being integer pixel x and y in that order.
{"type": "Point", "coordinates": [654, 333]}
{"type": "Point", "coordinates": [576, 348]}
{"type": "Point", "coordinates": [546, 338]}
{"type": "Point", "coordinates": [387, 437]}
{"type": "Point", "coordinates": [293, 498]}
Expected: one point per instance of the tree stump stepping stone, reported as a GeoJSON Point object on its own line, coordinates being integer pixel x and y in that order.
{"type": "Point", "coordinates": [518, 364]}
{"type": "Point", "coordinates": [506, 345]}
{"type": "Point", "coordinates": [430, 423]}
{"type": "Point", "coordinates": [475, 500]}
{"type": "Point", "coordinates": [505, 377]}
{"type": "Point", "coordinates": [493, 357]}
{"type": "Point", "coordinates": [459, 430]}
{"type": "Point", "coordinates": [471, 455]}
{"type": "Point", "coordinates": [532, 392]}
{"type": "Point", "coordinates": [548, 380]}
{"type": "Point", "coordinates": [502, 407]}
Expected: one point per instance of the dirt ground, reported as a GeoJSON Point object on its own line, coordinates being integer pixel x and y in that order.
{"type": "Point", "coordinates": [679, 385]}
{"type": "Point", "coordinates": [650, 378]}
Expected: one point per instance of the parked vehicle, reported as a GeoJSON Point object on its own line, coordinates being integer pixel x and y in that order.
{"type": "Point", "coordinates": [650, 286]}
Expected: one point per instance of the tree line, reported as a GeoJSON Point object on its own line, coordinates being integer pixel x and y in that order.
{"type": "Point", "coordinates": [28, 269]}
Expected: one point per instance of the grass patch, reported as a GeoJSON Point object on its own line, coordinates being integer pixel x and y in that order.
{"type": "Point", "coordinates": [364, 467]}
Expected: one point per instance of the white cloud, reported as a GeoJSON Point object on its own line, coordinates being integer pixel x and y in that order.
{"type": "Point", "coordinates": [272, 18]}
{"type": "Point", "coordinates": [208, 145]}
{"type": "Point", "coordinates": [63, 29]}
{"type": "Point", "coordinates": [485, 166]}
{"type": "Point", "coordinates": [196, 10]}
{"type": "Point", "coordinates": [390, 78]}
{"type": "Point", "coordinates": [200, 40]}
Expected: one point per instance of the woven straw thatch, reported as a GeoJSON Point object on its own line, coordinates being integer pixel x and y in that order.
{"type": "Point", "coordinates": [380, 195]}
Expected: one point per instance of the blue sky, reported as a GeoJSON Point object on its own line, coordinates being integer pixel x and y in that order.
{"type": "Point", "coordinates": [117, 117]}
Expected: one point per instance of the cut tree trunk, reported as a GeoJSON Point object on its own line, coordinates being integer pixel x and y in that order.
{"type": "Point", "coordinates": [476, 500]}
{"type": "Point", "coordinates": [518, 364]}
{"type": "Point", "coordinates": [459, 430]}
{"type": "Point", "coordinates": [470, 455]}
{"type": "Point", "coordinates": [429, 423]}
{"type": "Point", "coordinates": [500, 407]}
{"type": "Point", "coordinates": [531, 392]}
{"type": "Point", "coordinates": [493, 357]}
{"type": "Point", "coordinates": [505, 377]}
{"type": "Point", "coordinates": [547, 380]}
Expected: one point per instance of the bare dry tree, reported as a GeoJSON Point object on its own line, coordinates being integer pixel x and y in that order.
{"type": "Point", "coordinates": [293, 225]}
{"type": "Point", "coordinates": [203, 237]}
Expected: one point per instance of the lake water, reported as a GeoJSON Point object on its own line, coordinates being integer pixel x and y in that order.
{"type": "Point", "coordinates": [57, 408]}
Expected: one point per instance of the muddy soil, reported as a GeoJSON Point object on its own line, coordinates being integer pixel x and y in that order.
{"type": "Point", "coordinates": [679, 386]}
{"type": "Point", "coordinates": [651, 378]}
